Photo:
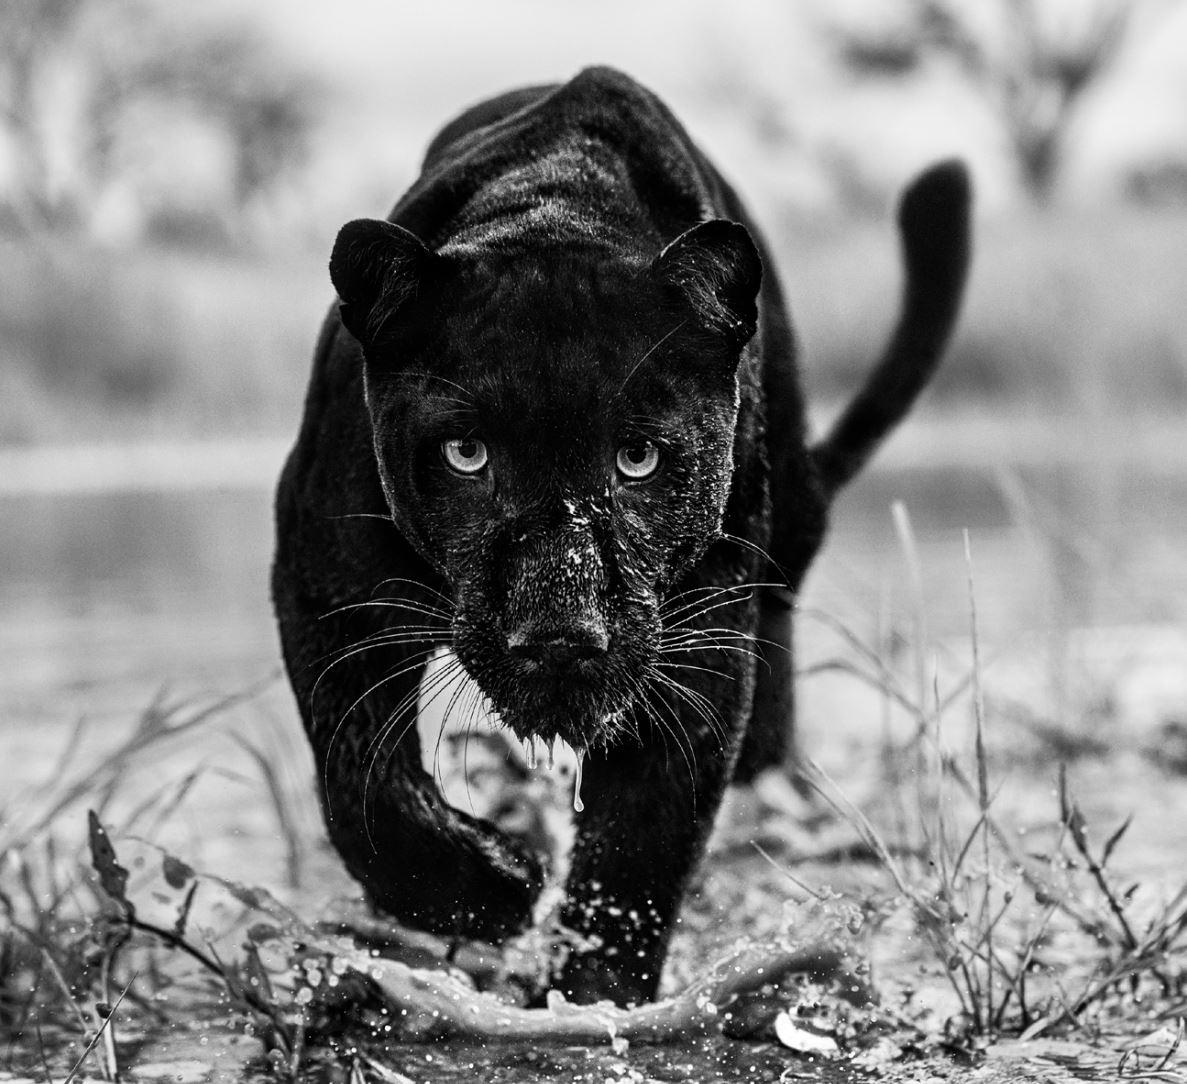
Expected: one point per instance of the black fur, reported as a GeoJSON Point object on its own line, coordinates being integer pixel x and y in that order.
{"type": "Point", "coordinates": [568, 282]}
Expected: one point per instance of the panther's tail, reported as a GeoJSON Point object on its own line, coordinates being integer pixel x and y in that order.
{"type": "Point", "coordinates": [934, 224]}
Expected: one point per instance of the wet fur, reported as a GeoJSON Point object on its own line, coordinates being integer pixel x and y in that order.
{"type": "Point", "coordinates": [567, 274]}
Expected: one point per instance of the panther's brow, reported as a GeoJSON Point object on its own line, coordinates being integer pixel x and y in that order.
{"type": "Point", "coordinates": [651, 350]}
{"type": "Point", "coordinates": [462, 404]}
{"type": "Point", "coordinates": [454, 410]}
{"type": "Point", "coordinates": [651, 426]}
{"type": "Point", "coordinates": [469, 395]}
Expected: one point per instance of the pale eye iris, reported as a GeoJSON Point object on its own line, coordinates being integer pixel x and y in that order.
{"type": "Point", "coordinates": [637, 461]}
{"type": "Point", "coordinates": [467, 456]}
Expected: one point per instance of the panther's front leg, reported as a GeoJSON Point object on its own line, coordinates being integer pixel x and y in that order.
{"type": "Point", "coordinates": [648, 811]}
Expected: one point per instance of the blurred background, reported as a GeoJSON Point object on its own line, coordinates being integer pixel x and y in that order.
{"type": "Point", "coordinates": [172, 177]}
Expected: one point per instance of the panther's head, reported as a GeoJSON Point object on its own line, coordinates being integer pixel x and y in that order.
{"type": "Point", "coordinates": [553, 431]}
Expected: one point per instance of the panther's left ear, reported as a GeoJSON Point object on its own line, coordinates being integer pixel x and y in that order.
{"type": "Point", "coordinates": [377, 269]}
{"type": "Point", "coordinates": [718, 269]}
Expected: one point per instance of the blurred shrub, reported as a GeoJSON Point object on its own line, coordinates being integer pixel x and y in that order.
{"type": "Point", "coordinates": [1035, 62]}
{"type": "Point", "coordinates": [1065, 310]}
{"type": "Point", "coordinates": [1158, 183]}
{"type": "Point", "coordinates": [101, 343]}
{"type": "Point", "coordinates": [114, 113]}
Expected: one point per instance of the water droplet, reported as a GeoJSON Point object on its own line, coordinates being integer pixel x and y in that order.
{"type": "Point", "coordinates": [529, 752]}
{"type": "Point", "coordinates": [551, 753]}
{"type": "Point", "coordinates": [578, 804]}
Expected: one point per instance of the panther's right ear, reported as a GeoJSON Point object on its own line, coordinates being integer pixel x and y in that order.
{"type": "Point", "coordinates": [716, 267]}
{"type": "Point", "coordinates": [377, 268]}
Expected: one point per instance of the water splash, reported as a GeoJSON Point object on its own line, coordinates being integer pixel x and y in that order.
{"type": "Point", "coordinates": [578, 804]}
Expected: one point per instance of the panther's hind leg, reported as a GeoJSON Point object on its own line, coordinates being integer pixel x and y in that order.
{"type": "Point", "coordinates": [770, 737]}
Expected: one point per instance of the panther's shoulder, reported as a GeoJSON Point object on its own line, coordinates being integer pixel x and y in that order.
{"type": "Point", "coordinates": [599, 107]}
{"type": "Point", "coordinates": [593, 90]}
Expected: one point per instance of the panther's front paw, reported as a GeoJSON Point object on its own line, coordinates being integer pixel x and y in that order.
{"type": "Point", "coordinates": [593, 977]}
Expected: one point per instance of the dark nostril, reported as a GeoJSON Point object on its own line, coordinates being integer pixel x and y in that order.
{"type": "Point", "coordinates": [556, 654]}
{"type": "Point", "coordinates": [558, 650]}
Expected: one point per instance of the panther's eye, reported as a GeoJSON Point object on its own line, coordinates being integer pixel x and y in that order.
{"type": "Point", "coordinates": [466, 456]}
{"type": "Point", "coordinates": [638, 461]}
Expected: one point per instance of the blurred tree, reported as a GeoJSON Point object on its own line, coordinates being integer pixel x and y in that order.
{"type": "Point", "coordinates": [91, 89]}
{"type": "Point", "coordinates": [1035, 59]}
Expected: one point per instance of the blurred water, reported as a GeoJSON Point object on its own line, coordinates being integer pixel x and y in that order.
{"type": "Point", "coordinates": [109, 597]}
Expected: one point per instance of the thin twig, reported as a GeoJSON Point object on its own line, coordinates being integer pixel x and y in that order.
{"type": "Point", "coordinates": [98, 1034]}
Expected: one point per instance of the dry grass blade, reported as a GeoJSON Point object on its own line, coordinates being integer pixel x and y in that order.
{"type": "Point", "coordinates": [280, 805]}
{"type": "Point", "coordinates": [816, 777]}
{"type": "Point", "coordinates": [163, 802]}
{"type": "Point", "coordinates": [1078, 831]}
{"type": "Point", "coordinates": [906, 537]}
{"type": "Point", "coordinates": [382, 1072]}
{"type": "Point", "coordinates": [160, 722]}
{"type": "Point", "coordinates": [98, 1036]}
{"type": "Point", "coordinates": [983, 797]}
{"type": "Point", "coordinates": [64, 986]}
{"type": "Point", "coordinates": [1114, 839]}
{"type": "Point", "coordinates": [807, 889]}
{"type": "Point", "coordinates": [1130, 1067]}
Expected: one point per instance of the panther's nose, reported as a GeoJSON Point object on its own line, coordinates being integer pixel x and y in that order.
{"type": "Point", "coordinates": [559, 649]}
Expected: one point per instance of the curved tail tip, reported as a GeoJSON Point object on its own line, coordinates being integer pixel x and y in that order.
{"type": "Point", "coordinates": [935, 225]}
{"type": "Point", "coordinates": [938, 200]}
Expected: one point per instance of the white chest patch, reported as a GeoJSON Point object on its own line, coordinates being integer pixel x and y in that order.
{"type": "Point", "coordinates": [526, 790]}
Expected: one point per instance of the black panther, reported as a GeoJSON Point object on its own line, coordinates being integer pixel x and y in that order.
{"type": "Point", "coordinates": [554, 425]}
